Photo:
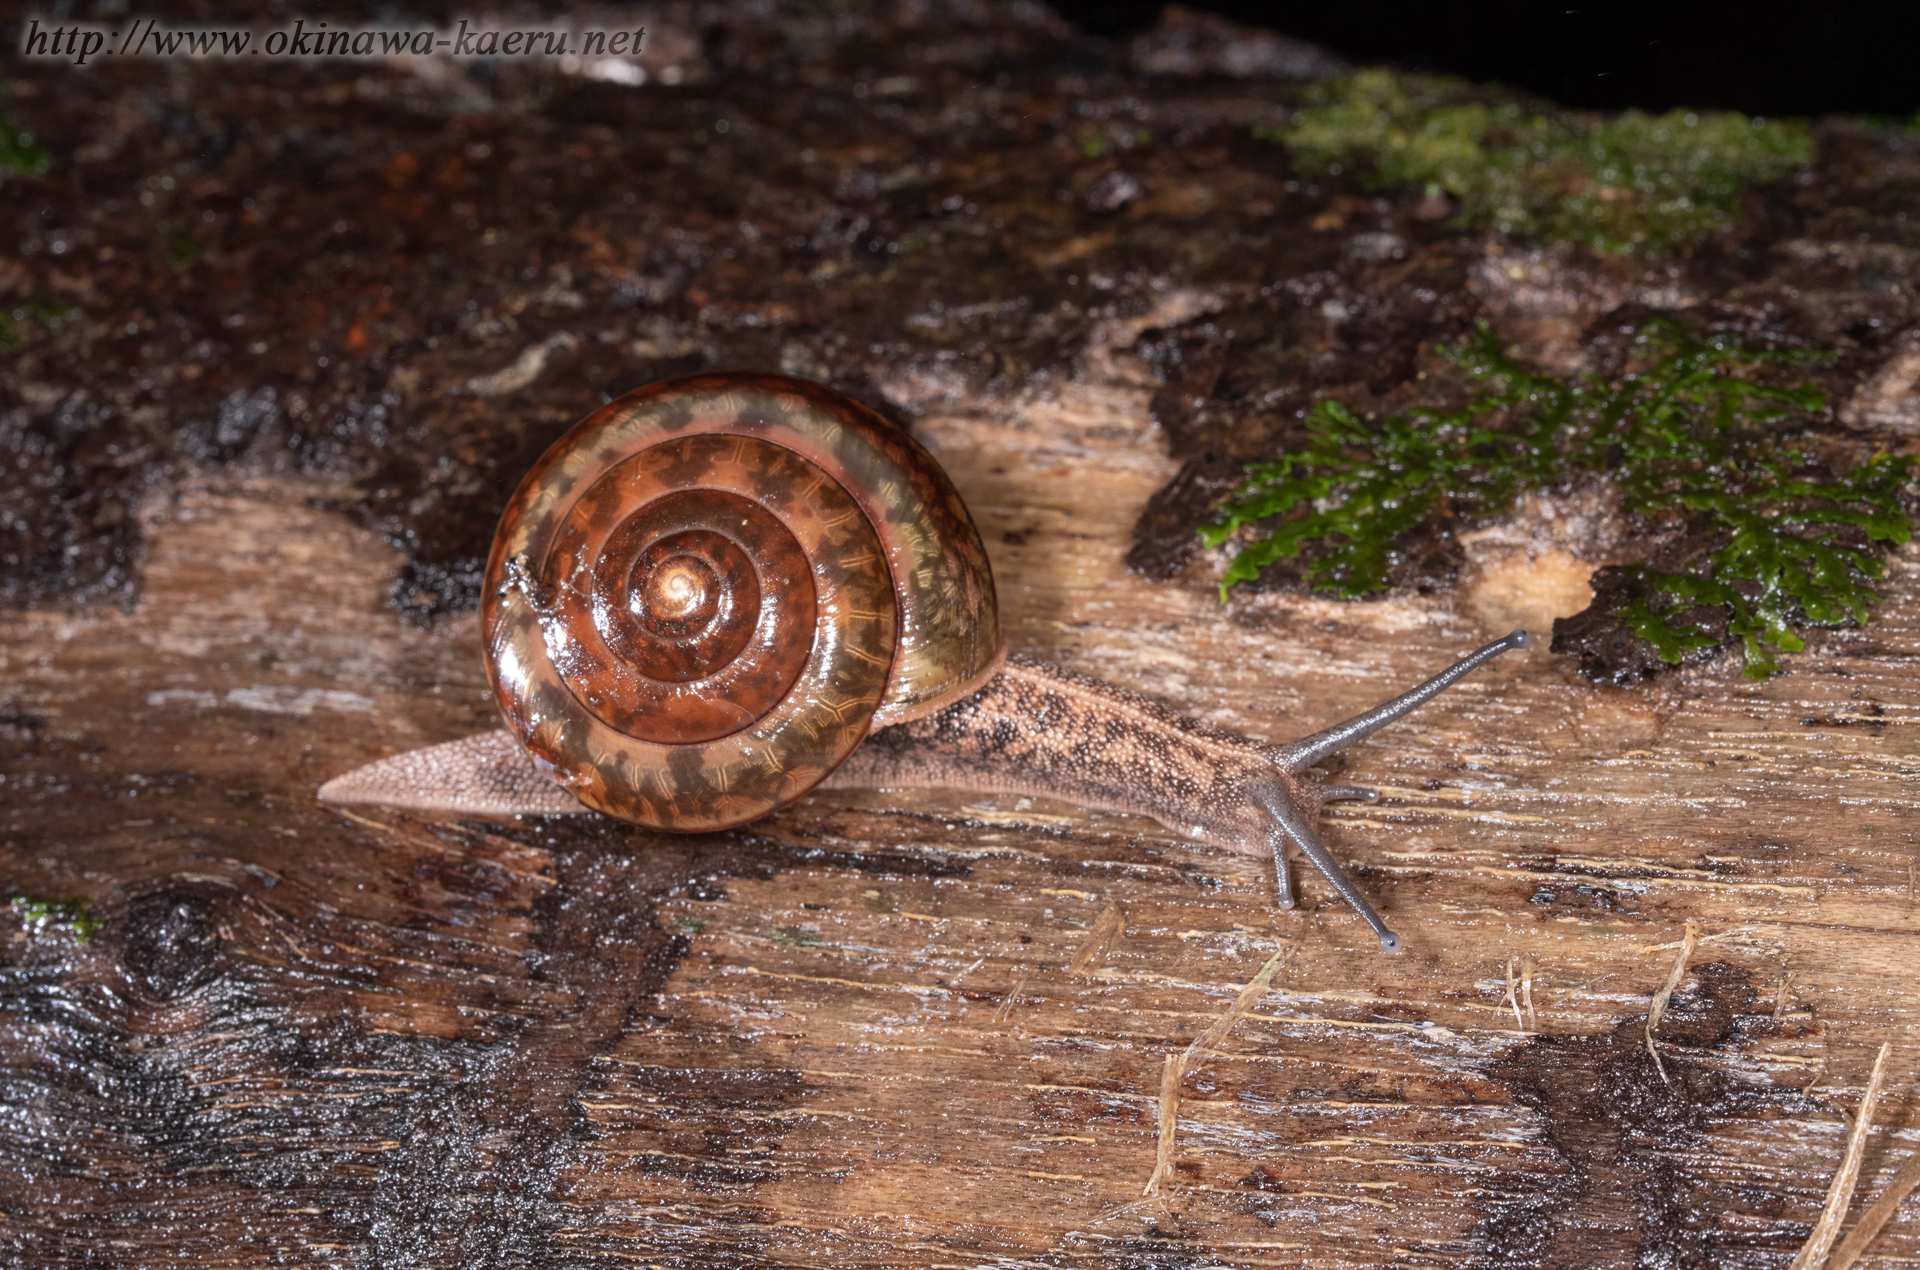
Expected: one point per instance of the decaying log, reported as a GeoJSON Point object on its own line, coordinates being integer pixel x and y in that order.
{"type": "Point", "coordinates": [852, 1030]}
{"type": "Point", "coordinates": [900, 1029]}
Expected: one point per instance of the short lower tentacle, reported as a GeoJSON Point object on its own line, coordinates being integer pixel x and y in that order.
{"type": "Point", "coordinates": [1282, 879]}
{"type": "Point", "coordinates": [1288, 817]}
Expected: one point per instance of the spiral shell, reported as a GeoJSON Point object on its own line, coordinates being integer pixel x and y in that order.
{"type": "Point", "coordinates": [704, 595]}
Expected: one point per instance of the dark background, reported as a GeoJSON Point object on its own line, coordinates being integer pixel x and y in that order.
{"type": "Point", "coordinates": [1798, 59]}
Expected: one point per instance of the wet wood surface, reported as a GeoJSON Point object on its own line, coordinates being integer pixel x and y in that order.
{"type": "Point", "coordinates": [857, 1033]}
{"type": "Point", "coordinates": [287, 335]}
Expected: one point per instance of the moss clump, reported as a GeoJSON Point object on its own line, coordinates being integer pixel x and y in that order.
{"type": "Point", "coordinates": [38, 914]}
{"type": "Point", "coordinates": [1687, 439]}
{"type": "Point", "coordinates": [1619, 183]}
{"type": "Point", "coordinates": [48, 315]}
{"type": "Point", "coordinates": [19, 156]}
{"type": "Point", "coordinates": [183, 249]}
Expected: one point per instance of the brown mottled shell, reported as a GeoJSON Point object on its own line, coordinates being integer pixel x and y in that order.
{"type": "Point", "coordinates": [702, 598]}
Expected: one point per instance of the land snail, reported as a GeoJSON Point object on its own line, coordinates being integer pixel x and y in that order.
{"type": "Point", "coordinates": [719, 592]}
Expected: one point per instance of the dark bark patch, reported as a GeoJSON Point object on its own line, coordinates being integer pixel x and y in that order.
{"type": "Point", "coordinates": [169, 941]}
{"type": "Point", "coordinates": [1626, 1194]}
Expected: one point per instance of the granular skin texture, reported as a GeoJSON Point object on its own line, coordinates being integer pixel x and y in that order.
{"type": "Point", "coordinates": [1037, 728]}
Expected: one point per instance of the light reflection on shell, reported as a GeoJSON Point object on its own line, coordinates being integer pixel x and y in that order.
{"type": "Point", "coordinates": [874, 602]}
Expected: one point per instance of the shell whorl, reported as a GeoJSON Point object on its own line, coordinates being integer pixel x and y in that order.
{"type": "Point", "coordinates": [703, 596]}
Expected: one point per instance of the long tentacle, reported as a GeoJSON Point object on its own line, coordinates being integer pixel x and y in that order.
{"type": "Point", "coordinates": [1288, 817]}
{"type": "Point", "coordinates": [1304, 753]}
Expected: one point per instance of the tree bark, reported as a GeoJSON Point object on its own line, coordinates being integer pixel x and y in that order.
{"type": "Point", "coordinates": [856, 1033]}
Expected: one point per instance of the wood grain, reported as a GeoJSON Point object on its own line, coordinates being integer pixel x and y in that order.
{"type": "Point", "coordinates": [851, 1034]}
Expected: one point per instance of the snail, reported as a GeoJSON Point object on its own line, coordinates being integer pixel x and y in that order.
{"type": "Point", "coordinates": [719, 592]}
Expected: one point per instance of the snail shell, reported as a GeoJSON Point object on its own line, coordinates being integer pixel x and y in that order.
{"type": "Point", "coordinates": [701, 598]}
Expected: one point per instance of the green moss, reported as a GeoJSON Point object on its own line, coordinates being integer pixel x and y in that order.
{"type": "Point", "coordinates": [19, 156]}
{"type": "Point", "coordinates": [1690, 435]}
{"type": "Point", "coordinates": [50, 315]}
{"type": "Point", "coordinates": [1097, 138]}
{"type": "Point", "coordinates": [38, 914]}
{"type": "Point", "coordinates": [1619, 183]}
{"type": "Point", "coordinates": [183, 249]}
{"type": "Point", "coordinates": [796, 937]}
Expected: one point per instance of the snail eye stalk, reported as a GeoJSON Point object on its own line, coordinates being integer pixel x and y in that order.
{"type": "Point", "coordinates": [1297, 756]}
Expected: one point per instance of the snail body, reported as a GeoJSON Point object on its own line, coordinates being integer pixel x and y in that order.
{"type": "Point", "coordinates": [718, 592]}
